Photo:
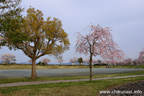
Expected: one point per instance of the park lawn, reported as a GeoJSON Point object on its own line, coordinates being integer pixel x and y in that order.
{"type": "Point", "coordinates": [12, 80]}
{"type": "Point", "coordinates": [84, 88]}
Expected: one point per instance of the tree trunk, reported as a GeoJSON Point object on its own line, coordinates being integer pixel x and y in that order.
{"type": "Point", "coordinates": [90, 66]}
{"type": "Point", "coordinates": [33, 73]}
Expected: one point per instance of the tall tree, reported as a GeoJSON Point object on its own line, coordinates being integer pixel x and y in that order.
{"type": "Point", "coordinates": [44, 37]}
{"type": "Point", "coordinates": [98, 42]}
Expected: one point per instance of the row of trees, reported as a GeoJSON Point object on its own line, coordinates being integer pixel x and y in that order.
{"type": "Point", "coordinates": [82, 61]}
{"type": "Point", "coordinates": [138, 61]}
{"type": "Point", "coordinates": [126, 61]}
{"type": "Point", "coordinates": [10, 58]}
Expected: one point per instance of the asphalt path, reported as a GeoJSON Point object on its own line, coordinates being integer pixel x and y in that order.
{"type": "Point", "coordinates": [26, 73]}
{"type": "Point", "coordinates": [61, 81]}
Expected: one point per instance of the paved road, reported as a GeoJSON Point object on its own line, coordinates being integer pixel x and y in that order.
{"type": "Point", "coordinates": [26, 73]}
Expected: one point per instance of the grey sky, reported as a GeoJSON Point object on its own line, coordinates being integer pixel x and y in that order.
{"type": "Point", "coordinates": [124, 17]}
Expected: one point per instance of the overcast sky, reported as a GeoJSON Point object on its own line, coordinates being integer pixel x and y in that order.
{"type": "Point", "coordinates": [124, 17]}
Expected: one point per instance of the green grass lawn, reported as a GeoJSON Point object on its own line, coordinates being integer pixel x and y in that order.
{"type": "Point", "coordinates": [66, 89]}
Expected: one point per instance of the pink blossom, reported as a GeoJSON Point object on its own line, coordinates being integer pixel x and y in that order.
{"type": "Point", "coordinates": [45, 60]}
{"type": "Point", "coordinates": [73, 60]}
{"type": "Point", "coordinates": [99, 41]}
{"type": "Point", "coordinates": [141, 57]}
{"type": "Point", "coordinates": [7, 58]}
{"type": "Point", "coordinates": [128, 61]}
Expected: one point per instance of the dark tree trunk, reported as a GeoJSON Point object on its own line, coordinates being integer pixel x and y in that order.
{"type": "Point", "coordinates": [33, 73]}
{"type": "Point", "coordinates": [90, 66]}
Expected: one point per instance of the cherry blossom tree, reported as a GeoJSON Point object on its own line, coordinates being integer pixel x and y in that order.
{"type": "Point", "coordinates": [128, 61]}
{"type": "Point", "coordinates": [7, 58]}
{"type": "Point", "coordinates": [73, 60]}
{"type": "Point", "coordinates": [99, 41]}
{"type": "Point", "coordinates": [45, 60]}
{"type": "Point", "coordinates": [141, 57]}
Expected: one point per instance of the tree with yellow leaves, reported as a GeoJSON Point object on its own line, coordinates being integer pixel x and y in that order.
{"type": "Point", "coordinates": [45, 37]}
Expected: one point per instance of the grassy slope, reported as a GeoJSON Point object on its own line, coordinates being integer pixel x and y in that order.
{"type": "Point", "coordinates": [66, 89]}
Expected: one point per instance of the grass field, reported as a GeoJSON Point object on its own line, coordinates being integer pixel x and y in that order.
{"type": "Point", "coordinates": [66, 89]}
{"type": "Point", "coordinates": [27, 66]}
